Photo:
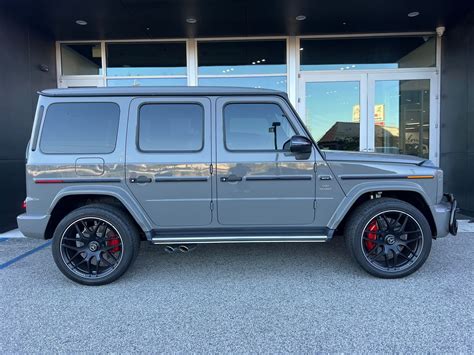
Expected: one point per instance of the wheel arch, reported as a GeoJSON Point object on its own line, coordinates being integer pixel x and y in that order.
{"type": "Point", "coordinates": [72, 198]}
{"type": "Point", "coordinates": [411, 196]}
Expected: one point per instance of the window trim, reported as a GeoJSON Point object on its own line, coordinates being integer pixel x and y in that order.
{"type": "Point", "coordinates": [224, 136]}
{"type": "Point", "coordinates": [137, 128]}
{"type": "Point", "coordinates": [78, 102]}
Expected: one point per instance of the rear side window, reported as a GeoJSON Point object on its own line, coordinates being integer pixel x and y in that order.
{"type": "Point", "coordinates": [260, 126]}
{"type": "Point", "coordinates": [80, 128]}
{"type": "Point", "coordinates": [171, 127]}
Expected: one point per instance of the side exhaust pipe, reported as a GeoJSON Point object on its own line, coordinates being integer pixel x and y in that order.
{"type": "Point", "coordinates": [183, 248]}
{"type": "Point", "coordinates": [170, 249]}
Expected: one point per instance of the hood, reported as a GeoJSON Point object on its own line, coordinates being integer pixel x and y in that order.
{"type": "Point", "coordinates": [335, 155]}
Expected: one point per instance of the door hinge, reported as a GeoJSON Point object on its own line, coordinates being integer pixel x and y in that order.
{"type": "Point", "coordinates": [211, 206]}
{"type": "Point", "coordinates": [211, 169]}
{"type": "Point", "coordinates": [299, 99]}
{"type": "Point", "coordinates": [315, 167]}
{"type": "Point", "coordinates": [314, 204]}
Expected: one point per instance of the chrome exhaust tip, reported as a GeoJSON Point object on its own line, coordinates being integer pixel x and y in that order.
{"type": "Point", "coordinates": [170, 249]}
{"type": "Point", "coordinates": [183, 248]}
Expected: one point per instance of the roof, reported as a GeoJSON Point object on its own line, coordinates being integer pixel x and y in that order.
{"type": "Point", "coordinates": [159, 91]}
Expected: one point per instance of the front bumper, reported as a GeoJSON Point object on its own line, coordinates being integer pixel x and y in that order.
{"type": "Point", "coordinates": [453, 222]}
{"type": "Point", "coordinates": [444, 215]}
{"type": "Point", "coordinates": [32, 226]}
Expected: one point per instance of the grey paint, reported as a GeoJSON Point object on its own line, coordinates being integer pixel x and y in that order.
{"type": "Point", "coordinates": [281, 195]}
{"type": "Point", "coordinates": [24, 49]}
{"type": "Point", "coordinates": [174, 202]}
{"type": "Point", "coordinates": [457, 112]}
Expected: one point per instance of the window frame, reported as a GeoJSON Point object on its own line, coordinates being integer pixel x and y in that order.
{"type": "Point", "coordinates": [224, 135]}
{"type": "Point", "coordinates": [45, 116]}
{"type": "Point", "coordinates": [137, 128]}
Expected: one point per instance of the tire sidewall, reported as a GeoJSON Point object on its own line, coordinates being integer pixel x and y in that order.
{"type": "Point", "coordinates": [365, 214]}
{"type": "Point", "coordinates": [125, 230]}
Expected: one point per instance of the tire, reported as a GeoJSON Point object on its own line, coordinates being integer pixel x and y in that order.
{"type": "Point", "coordinates": [382, 243]}
{"type": "Point", "coordinates": [95, 244]}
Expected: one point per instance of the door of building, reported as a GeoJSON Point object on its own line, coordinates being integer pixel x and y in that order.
{"type": "Point", "coordinates": [374, 111]}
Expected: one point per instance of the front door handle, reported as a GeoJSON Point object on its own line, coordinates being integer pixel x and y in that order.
{"type": "Point", "coordinates": [231, 178]}
{"type": "Point", "coordinates": [140, 180]}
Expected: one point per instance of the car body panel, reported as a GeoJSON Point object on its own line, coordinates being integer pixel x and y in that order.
{"type": "Point", "coordinates": [276, 188]}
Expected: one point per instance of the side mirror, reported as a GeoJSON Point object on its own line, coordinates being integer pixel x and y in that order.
{"type": "Point", "coordinates": [300, 145]}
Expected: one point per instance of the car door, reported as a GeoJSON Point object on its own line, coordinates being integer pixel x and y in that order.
{"type": "Point", "coordinates": [168, 159]}
{"type": "Point", "coordinates": [258, 182]}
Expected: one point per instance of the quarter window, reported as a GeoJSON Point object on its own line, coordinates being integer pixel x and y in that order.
{"type": "Point", "coordinates": [80, 128]}
{"type": "Point", "coordinates": [171, 127]}
{"type": "Point", "coordinates": [259, 126]}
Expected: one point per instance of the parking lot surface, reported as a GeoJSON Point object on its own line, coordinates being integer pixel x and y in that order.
{"type": "Point", "coordinates": [239, 298]}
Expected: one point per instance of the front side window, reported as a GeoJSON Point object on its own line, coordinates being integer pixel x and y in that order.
{"type": "Point", "coordinates": [259, 126]}
{"type": "Point", "coordinates": [80, 128]}
{"type": "Point", "coordinates": [171, 127]}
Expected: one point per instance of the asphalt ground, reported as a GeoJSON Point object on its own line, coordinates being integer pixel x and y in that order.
{"type": "Point", "coordinates": [268, 298]}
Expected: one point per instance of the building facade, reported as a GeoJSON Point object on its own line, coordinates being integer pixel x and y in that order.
{"type": "Point", "coordinates": [403, 91]}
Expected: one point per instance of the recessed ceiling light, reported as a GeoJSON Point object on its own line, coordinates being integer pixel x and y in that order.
{"type": "Point", "coordinates": [191, 20]}
{"type": "Point", "coordinates": [413, 14]}
{"type": "Point", "coordinates": [81, 22]}
{"type": "Point", "coordinates": [300, 18]}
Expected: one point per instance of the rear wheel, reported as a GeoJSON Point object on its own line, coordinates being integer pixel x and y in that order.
{"type": "Point", "coordinates": [95, 245]}
{"type": "Point", "coordinates": [389, 238]}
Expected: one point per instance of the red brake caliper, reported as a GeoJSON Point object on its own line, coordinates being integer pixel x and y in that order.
{"type": "Point", "coordinates": [373, 228]}
{"type": "Point", "coordinates": [113, 240]}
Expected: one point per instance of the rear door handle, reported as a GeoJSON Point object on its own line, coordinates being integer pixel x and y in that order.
{"type": "Point", "coordinates": [140, 180]}
{"type": "Point", "coordinates": [231, 178]}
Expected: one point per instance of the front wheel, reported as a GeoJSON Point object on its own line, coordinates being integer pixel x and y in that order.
{"type": "Point", "coordinates": [95, 245]}
{"type": "Point", "coordinates": [389, 238]}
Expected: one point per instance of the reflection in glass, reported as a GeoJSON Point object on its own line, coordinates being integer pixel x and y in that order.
{"type": "Point", "coordinates": [140, 59]}
{"type": "Point", "coordinates": [65, 125]}
{"type": "Point", "coordinates": [262, 82]}
{"type": "Point", "coordinates": [368, 53]}
{"type": "Point", "coordinates": [242, 57]}
{"type": "Point", "coordinates": [148, 82]}
{"type": "Point", "coordinates": [81, 59]}
{"type": "Point", "coordinates": [401, 115]}
{"type": "Point", "coordinates": [333, 114]}
{"type": "Point", "coordinates": [171, 127]}
{"type": "Point", "coordinates": [256, 127]}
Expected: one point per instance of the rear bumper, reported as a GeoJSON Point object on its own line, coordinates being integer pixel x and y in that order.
{"type": "Point", "coordinates": [444, 215]}
{"type": "Point", "coordinates": [32, 226]}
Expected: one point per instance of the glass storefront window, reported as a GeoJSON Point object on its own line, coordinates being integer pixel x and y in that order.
{"type": "Point", "coordinates": [148, 82]}
{"type": "Point", "coordinates": [263, 82]}
{"type": "Point", "coordinates": [146, 59]}
{"type": "Point", "coordinates": [333, 114]}
{"type": "Point", "coordinates": [242, 57]}
{"type": "Point", "coordinates": [368, 53]}
{"type": "Point", "coordinates": [81, 59]}
{"type": "Point", "coordinates": [401, 116]}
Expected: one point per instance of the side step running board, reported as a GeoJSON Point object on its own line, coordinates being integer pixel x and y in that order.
{"type": "Point", "coordinates": [239, 239]}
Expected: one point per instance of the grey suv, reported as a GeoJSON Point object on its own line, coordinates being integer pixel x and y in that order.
{"type": "Point", "coordinates": [108, 168]}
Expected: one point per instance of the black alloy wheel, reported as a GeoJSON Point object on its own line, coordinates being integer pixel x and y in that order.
{"type": "Point", "coordinates": [95, 244]}
{"type": "Point", "coordinates": [389, 238]}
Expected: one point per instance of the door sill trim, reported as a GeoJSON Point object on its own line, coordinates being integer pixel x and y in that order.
{"type": "Point", "coordinates": [240, 239]}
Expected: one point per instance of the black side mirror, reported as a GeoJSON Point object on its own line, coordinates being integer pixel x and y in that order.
{"type": "Point", "coordinates": [300, 145]}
